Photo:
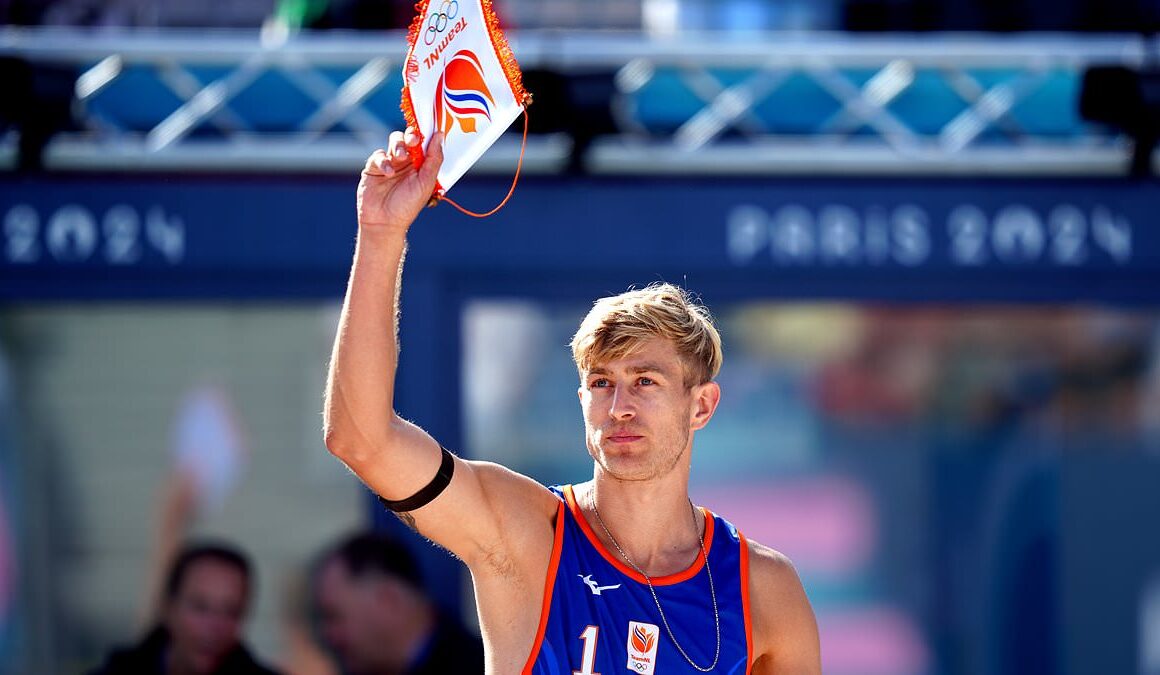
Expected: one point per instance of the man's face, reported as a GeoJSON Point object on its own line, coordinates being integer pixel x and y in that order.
{"type": "Point", "coordinates": [204, 619]}
{"type": "Point", "coordinates": [353, 619]}
{"type": "Point", "coordinates": [639, 415]}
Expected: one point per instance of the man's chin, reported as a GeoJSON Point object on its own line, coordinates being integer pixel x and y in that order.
{"type": "Point", "coordinates": [625, 468]}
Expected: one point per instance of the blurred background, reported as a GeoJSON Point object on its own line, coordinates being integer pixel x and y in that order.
{"type": "Point", "coordinates": [927, 228]}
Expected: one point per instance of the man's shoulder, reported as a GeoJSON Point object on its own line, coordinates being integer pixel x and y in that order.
{"type": "Point", "coordinates": [769, 559]}
{"type": "Point", "coordinates": [772, 572]}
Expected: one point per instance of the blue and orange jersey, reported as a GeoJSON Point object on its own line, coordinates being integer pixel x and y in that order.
{"type": "Point", "coordinates": [599, 616]}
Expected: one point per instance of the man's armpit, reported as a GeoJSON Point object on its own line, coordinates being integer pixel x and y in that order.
{"type": "Point", "coordinates": [407, 519]}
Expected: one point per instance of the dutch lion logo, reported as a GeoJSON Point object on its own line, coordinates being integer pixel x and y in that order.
{"type": "Point", "coordinates": [462, 95]}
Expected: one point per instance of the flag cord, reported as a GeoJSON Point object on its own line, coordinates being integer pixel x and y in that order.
{"type": "Point", "coordinates": [515, 179]}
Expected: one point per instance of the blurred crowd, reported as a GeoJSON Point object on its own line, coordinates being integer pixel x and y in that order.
{"type": "Point", "coordinates": [363, 609]}
{"type": "Point", "coordinates": [360, 606]}
{"type": "Point", "coordinates": [1068, 374]}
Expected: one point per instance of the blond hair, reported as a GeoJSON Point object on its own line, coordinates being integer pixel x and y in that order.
{"type": "Point", "coordinates": [619, 325]}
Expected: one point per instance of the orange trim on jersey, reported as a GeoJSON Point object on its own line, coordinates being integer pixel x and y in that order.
{"type": "Point", "coordinates": [549, 584]}
{"type": "Point", "coordinates": [615, 561]}
{"type": "Point", "coordinates": [745, 602]}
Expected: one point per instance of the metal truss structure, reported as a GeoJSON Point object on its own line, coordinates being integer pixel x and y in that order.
{"type": "Point", "coordinates": [702, 103]}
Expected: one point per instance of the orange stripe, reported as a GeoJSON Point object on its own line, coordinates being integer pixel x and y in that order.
{"type": "Point", "coordinates": [745, 601]}
{"type": "Point", "coordinates": [615, 561]}
{"type": "Point", "coordinates": [549, 583]}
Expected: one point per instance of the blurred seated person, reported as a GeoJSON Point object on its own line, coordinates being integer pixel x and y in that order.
{"type": "Point", "coordinates": [375, 618]}
{"type": "Point", "coordinates": [203, 606]}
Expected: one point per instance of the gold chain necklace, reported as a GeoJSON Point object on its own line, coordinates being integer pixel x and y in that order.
{"type": "Point", "coordinates": [656, 600]}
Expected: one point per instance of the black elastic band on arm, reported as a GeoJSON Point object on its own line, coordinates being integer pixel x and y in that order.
{"type": "Point", "coordinates": [429, 491]}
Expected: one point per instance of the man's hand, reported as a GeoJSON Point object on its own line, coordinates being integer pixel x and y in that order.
{"type": "Point", "coordinates": [392, 192]}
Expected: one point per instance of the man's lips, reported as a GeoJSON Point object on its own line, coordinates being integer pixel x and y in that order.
{"type": "Point", "coordinates": [623, 437]}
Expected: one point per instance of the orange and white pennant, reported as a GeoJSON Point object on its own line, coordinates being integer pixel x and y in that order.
{"type": "Point", "coordinates": [462, 79]}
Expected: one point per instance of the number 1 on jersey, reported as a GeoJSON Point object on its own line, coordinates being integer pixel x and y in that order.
{"type": "Point", "coordinates": [588, 660]}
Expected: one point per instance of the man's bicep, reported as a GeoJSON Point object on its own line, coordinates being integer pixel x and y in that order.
{"type": "Point", "coordinates": [402, 464]}
{"type": "Point", "coordinates": [483, 506]}
{"type": "Point", "coordinates": [395, 461]}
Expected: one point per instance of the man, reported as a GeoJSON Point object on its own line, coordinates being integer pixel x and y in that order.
{"type": "Point", "coordinates": [204, 603]}
{"type": "Point", "coordinates": [375, 617]}
{"type": "Point", "coordinates": [621, 571]}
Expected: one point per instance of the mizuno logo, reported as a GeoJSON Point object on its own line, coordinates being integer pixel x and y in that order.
{"type": "Point", "coordinates": [594, 587]}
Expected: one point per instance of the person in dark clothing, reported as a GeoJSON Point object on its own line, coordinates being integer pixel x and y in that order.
{"type": "Point", "coordinates": [206, 595]}
{"type": "Point", "coordinates": [375, 617]}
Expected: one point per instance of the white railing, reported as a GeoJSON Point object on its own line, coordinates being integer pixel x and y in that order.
{"type": "Point", "coordinates": [690, 103]}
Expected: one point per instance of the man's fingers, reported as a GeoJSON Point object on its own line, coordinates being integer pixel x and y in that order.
{"type": "Point", "coordinates": [395, 160]}
{"type": "Point", "coordinates": [378, 164]}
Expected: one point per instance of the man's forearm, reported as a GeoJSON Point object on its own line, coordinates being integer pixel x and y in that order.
{"type": "Point", "coordinates": [360, 423]}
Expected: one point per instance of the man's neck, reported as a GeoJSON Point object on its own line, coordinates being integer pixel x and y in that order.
{"type": "Point", "coordinates": [653, 522]}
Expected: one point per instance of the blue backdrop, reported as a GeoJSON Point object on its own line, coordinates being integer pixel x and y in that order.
{"type": "Point", "coordinates": [891, 239]}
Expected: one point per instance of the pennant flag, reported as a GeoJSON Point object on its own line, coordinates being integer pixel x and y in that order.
{"type": "Point", "coordinates": [462, 79]}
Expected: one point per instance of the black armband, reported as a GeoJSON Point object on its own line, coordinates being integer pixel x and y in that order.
{"type": "Point", "coordinates": [429, 491]}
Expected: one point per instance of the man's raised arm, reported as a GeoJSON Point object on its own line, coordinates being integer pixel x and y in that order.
{"type": "Point", "coordinates": [393, 457]}
{"type": "Point", "coordinates": [361, 428]}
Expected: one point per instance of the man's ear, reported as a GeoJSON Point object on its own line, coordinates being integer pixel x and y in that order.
{"type": "Point", "coordinates": [705, 399]}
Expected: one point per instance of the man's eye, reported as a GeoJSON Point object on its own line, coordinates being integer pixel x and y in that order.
{"type": "Point", "coordinates": [647, 381]}
{"type": "Point", "coordinates": [599, 384]}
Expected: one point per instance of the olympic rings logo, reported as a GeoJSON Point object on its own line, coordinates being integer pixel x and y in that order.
{"type": "Point", "coordinates": [438, 21]}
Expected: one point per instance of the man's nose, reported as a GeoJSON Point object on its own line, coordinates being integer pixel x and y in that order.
{"type": "Point", "coordinates": [621, 407]}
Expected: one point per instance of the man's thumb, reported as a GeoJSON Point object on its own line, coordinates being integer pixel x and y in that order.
{"type": "Point", "coordinates": [434, 159]}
